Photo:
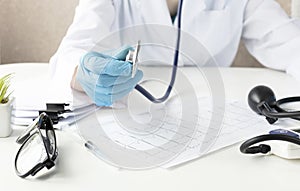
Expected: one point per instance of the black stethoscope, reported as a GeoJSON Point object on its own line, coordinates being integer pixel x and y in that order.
{"type": "Point", "coordinates": [262, 100]}
{"type": "Point", "coordinates": [147, 94]}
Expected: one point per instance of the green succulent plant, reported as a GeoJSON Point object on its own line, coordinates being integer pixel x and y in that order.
{"type": "Point", "coordinates": [4, 86]}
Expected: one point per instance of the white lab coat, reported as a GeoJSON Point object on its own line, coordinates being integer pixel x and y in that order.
{"type": "Point", "coordinates": [269, 34]}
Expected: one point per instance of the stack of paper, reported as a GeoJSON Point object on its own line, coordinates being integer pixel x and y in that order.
{"type": "Point", "coordinates": [30, 100]}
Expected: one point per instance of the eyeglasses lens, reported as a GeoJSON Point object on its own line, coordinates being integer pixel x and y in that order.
{"type": "Point", "coordinates": [32, 153]}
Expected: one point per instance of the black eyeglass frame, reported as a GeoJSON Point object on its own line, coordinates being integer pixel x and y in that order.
{"type": "Point", "coordinates": [45, 123]}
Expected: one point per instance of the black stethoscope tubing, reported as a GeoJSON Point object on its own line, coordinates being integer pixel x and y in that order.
{"type": "Point", "coordinates": [285, 101]}
{"type": "Point", "coordinates": [282, 113]}
{"type": "Point", "coordinates": [147, 94]}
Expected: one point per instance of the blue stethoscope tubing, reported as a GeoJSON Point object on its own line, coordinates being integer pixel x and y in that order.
{"type": "Point", "coordinates": [142, 90]}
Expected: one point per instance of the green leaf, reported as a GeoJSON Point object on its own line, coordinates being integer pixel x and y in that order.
{"type": "Point", "coordinates": [4, 86]}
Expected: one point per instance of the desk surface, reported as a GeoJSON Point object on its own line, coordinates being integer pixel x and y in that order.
{"type": "Point", "coordinates": [77, 169]}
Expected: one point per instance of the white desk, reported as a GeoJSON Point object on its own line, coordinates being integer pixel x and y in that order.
{"type": "Point", "coordinates": [227, 169]}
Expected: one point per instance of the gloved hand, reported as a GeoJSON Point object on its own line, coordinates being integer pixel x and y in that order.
{"type": "Point", "coordinates": [106, 77]}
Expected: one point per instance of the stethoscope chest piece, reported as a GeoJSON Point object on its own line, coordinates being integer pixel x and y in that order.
{"type": "Point", "coordinates": [132, 57]}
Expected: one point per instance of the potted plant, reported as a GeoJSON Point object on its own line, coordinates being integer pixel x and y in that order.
{"type": "Point", "coordinates": [5, 106]}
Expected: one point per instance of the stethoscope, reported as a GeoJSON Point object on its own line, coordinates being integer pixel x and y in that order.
{"type": "Point", "coordinates": [262, 100]}
{"type": "Point", "coordinates": [132, 56]}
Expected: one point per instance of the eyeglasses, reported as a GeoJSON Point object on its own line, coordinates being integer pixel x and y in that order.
{"type": "Point", "coordinates": [38, 149]}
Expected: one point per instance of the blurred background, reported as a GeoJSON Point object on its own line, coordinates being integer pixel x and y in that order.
{"type": "Point", "coordinates": [31, 30]}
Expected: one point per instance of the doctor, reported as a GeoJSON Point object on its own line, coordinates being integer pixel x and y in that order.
{"type": "Point", "coordinates": [268, 33]}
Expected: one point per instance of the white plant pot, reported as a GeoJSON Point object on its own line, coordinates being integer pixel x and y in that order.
{"type": "Point", "coordinates": [5, 118]}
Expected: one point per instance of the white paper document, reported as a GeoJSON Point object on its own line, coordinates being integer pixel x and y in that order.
{"type": "Point", "coordinates": [238, 123]}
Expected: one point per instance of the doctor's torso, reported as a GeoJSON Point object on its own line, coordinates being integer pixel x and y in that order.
{"type": "Point", "coordinates": [214, 24]}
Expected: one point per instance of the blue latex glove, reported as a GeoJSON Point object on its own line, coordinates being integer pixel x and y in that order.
{"type": "Point", "coordinates": [106, 77]}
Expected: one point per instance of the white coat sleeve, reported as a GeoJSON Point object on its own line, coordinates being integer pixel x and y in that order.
{"type": "Point", "coordinates": [93, 20]}
{"type": "Point", "coordinates": [272, 36]}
